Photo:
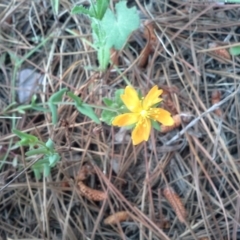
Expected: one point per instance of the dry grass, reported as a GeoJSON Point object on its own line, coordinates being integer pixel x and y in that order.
{"type": "Point", "coordinates": [199, 160]}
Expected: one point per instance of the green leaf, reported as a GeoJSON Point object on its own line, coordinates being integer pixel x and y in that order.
{"type": "Point", "coordinates": [234, 51]}
{"type": "Point", "coordinates": [78, 100]}
{"type": "Point", "coordinates": [46, 170]}
{"type": "Point", "coordinates": [83, 108]}
{"type": "Point", "coordinates": [81, 10]}
{"type": "Point", "coordinates": [39, 166]}
{"type": "Point", "coordinates": [50, 144]}
{"type": "Point", "coordinates": [10, 106]}
{"type": "Point", "coordinates": [101, 7]}
{"type": "Point", "coordinates": [117, 97]}
{"type": "Point", "coordinates": [40, 109]}
{"type": "Point", "coordinates": [20, 110]}
{"type": "Point", "coordinates": [26, 139]}
{"type": "Point", "coordinates": [37, 151]}
{"type": "Point", "coordinates": [33, 99]}
{"type": "Point", "coordinates": [56, 97]}
{"type": "Point", "coordinates": [37, 173]}
{"type": "Point", "coordinates": [96, 10]}
{"type": "Point", "coordinates": [108, 102]}
{"type": "Point", "coordinates": [88, 111]}
{"type": "Point", "coordinates": [53, 159]}
{"type": "Point", "coordinates": [35, 106]}
{"type": "Point", "coordinates": [108, 116]}
{"type": "Point", "coordinates": [156, 125]}
{"type": "Point", "coordinates": [118, 27]}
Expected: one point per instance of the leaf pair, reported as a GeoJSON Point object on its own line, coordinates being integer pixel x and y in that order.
{"type": "Point", "coordinates": [82, 107]}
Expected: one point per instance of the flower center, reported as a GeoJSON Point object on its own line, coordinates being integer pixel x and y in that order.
{"type": "Point", "coordinates": [144, 113]}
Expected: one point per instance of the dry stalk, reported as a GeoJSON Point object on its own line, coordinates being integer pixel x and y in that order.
{"type": "Point", "coordinates": [91, 194]}
{"type": "Point", "coordinates": [116, 218]}
{"type": "Point", "coordinates": [176, 203]}
{"type": "Point", "coordinates": [149, 34]}
{"type": "Point", "coordinates": [114, 54]}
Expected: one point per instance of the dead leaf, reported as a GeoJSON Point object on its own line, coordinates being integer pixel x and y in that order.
{"type": "Point", "coordinates": [220, 52]}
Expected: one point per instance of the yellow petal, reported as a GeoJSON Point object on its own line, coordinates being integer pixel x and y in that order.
{"type": "Point", "coordinates": [162, 116]}
{"type": "Point", "coordinates": [125, 119]}
{"type": "Point", "coordinates": [131, 99]}
{"type": "Point", "coordinates": [142, 131]}
{"type": "Point", "coordinates": [152, 97]}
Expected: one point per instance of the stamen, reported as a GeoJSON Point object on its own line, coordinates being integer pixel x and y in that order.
{"type": "Point", "coordinates": [144, 113]}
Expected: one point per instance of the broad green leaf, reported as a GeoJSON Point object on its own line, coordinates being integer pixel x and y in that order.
{"type": "Point", "coordinates": [234, 51]}
{"type": "Point", "coordinates": [108, 102]}
{"type": "Point", "coordinates": [108, 116]}
{"type": "Point", "coordinates": [118, 27]}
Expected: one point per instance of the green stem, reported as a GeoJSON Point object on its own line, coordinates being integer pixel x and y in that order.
{"type": "Point", "coordinates": [29, 106]}
{"type": "Point", "coordinates": [124, 78]}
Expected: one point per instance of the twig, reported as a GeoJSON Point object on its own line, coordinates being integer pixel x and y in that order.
{"type": "Point", "coordinates": [193, 122]}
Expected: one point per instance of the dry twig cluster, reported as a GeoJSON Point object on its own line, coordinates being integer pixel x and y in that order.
{"type": "Point", "coordinates": [199, 159]}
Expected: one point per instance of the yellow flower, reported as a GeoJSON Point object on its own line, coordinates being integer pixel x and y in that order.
{"type": "Point", "coordinates": [141, 113]}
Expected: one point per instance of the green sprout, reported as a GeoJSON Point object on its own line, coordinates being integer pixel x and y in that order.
{"type": "Point", "coordinates": [110, 29]}
{"type": "Point", "coordinates": [48, 155]}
